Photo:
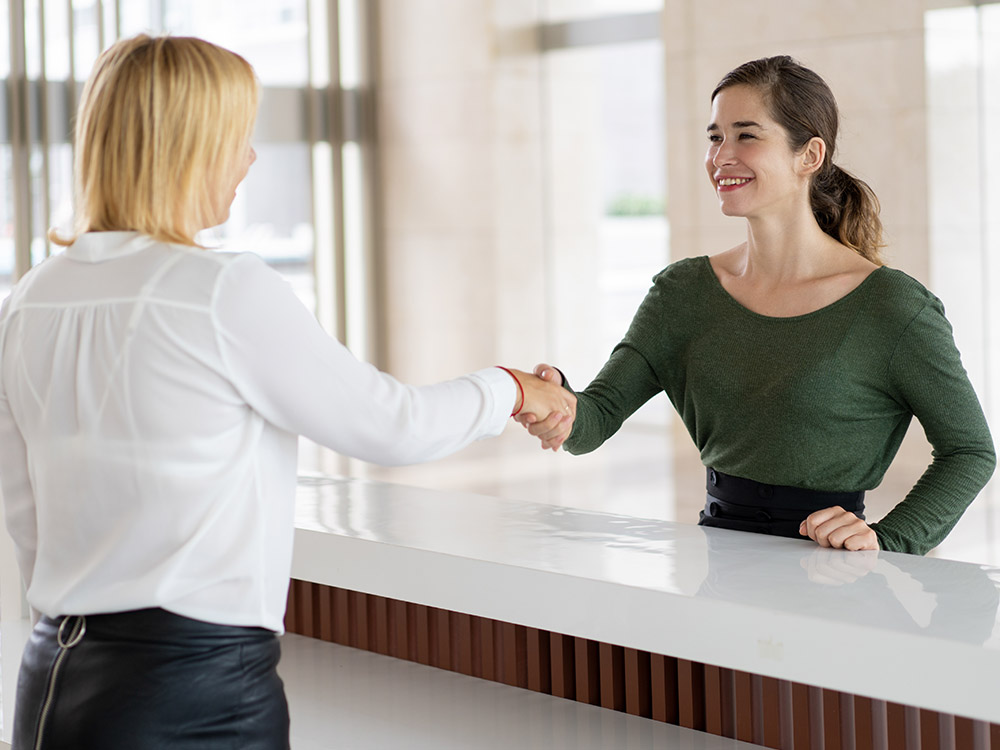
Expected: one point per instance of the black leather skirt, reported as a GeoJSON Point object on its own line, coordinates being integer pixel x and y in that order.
{"type": "Point", "coordinates": [745, 505]}
{"type": "Point", "coordinates": [149, 680]}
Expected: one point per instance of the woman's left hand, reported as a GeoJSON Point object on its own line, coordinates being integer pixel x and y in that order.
{"type": "Point", "coordinates": [840, 529]}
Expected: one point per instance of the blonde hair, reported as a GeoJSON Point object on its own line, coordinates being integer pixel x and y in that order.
{"type": "Point", "coordinates": [162, 122]}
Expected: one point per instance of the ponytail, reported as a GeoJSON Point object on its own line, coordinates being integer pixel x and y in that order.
{"type": "Point", "coordinates": [847, 209]}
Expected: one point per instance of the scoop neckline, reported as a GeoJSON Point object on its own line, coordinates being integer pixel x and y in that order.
{"type": "Point", "coordinates": [782, 318]}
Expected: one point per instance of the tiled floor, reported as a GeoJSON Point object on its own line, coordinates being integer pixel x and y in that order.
{"type": "Point", "coordinates": [649, 472]}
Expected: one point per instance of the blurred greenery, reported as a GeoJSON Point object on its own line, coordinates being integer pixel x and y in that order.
{"type": "Point", "coordinates": [634, 204]}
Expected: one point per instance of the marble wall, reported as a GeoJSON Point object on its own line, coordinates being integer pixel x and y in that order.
{"type": "Point", "coordinates": [469, 241]}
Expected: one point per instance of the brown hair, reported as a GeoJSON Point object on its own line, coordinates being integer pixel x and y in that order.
{"type": "Point", "coordinates": [800, 101]}
{"type": "Point", "coordinates": [161, 121]}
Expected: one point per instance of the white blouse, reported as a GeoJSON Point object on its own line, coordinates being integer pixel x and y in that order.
{"type": "Point", "coordinates": [151, 397]}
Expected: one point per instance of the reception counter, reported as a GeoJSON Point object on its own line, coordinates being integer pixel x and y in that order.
{"type": "Point", "coordinates": [765, 640]}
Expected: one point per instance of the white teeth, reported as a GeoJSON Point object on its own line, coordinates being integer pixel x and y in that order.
{"type": "Point", "coordinates": [727, 181]}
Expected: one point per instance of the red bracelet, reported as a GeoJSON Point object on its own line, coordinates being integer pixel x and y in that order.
{"type": "Point", "coordinates": [519, 388]}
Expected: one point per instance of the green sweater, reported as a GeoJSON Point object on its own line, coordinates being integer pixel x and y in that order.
{"type": "Point", "coordinates": [820, 401]}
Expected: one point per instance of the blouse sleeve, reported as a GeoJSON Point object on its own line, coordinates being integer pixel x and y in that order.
{"type": "Point", "coordinates": [299, 378]}
{"type": "Point", "coordinates": [15, 480]}
{"type": "Point", "coordinates": [927, 375]}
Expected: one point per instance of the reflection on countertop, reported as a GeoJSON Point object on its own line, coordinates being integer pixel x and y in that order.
{"type": "Point", "coordinates": [948, 600]}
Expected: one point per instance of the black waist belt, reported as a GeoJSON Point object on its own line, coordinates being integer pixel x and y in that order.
{"type": "Point", "coordinates": [746, 505]}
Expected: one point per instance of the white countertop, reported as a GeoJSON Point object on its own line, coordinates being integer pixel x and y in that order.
{"type": "Point", "coordinates": [917, 631]}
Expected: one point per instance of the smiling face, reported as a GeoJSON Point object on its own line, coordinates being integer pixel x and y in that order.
{"type": "Point", "coordinates": [749, 161]}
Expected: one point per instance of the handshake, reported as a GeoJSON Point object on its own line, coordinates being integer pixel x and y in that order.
{"type": "Point", "coordinates": [545, 409]}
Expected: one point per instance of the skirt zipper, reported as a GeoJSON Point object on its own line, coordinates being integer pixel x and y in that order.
{"type": "Point", "coordinates": [75, 636]}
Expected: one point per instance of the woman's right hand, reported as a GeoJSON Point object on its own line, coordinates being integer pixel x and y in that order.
{"type": "Point", "coordinates": [553, 429]}
{"type": "Point", "coordinates": [546, 402]}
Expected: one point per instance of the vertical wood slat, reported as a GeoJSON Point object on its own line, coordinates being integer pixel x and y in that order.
{"type": "Point", "coordinates": [487, 635]}
{"type": "Point", "coordinates": [420, 629]}
{"type": "Point", "coordinates": [461, 643]}
{"type": "Point", "coordinates": [539, 666]}
{"type": "Point", "coordinates": [800, 716]}
{"type": "Point", "coordinates": [612, 666]}
{"type": "Point", "coordinates": [324, 609]}
{"type": "Point", "coordinates": [399, 639]}
{"type": "Point", "coordinates": [563, 671]}
{"type": "Point", "coordinates": [929, 738]}
{"type": "Point", "coordinates": [691, 694]}
{"type": "Point", "coordinates": [771, 710]}
{"type": "Point", "coordinates": [713, 700]}
{"type": "Point", "coordinates": [896, 726]}
{"type": "Point", "coordinates": [727, 686]}
{"type": "Point", "coordinates": [341, 617]}
{"type": "Point", "coordinates": [862, 723]}
{"type": "Point", "coordinates": [964, 736]}
{"type": "Point", "coordinates": [378, 611]}
{"type": "Point", "coordinates": [663, 685]}
{"type": "Point", "coordinates": [588, 675]}
{"type": "Point", "coordinates": [744, 710]}
{"type": "Point", "coordinates": [638, 683]}
{"type": "Point", "coordinates": [831, 719]}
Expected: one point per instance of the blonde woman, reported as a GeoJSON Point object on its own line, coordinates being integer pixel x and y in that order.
{"type": "Point", "coordinates": [151, 396]}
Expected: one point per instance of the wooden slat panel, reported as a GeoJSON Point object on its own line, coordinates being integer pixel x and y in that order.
{"type": "Point", "coordinates": [896, 726]}
{"type": "Point", "coordinates": [862, 723]}
{"type": "Point", "coordinates": [831, 719]}
{"type": "Point", "coordinates": [744, 710]}
{"type": "Point", "coordinates": [964, 737]}
{"type": "Point", "coordinates": [514, 649]}
{"type": "Point", "coordinates": [588, 672]}
{"type": "Point", "coordinates": [802, 737]}
{"type": "Point", "coordinates": [378, 623]}
{"type": "Point", "coordinates": [563, 665]}
{"type": "Point", "coordinates": [324, 609]}
{"type": "Point", "coordinates": [929, 738]}
{"type": "Point", "coordinates": [727, 689]}
{"type": "Point", "coordinates": [539, 660]}
{"type": "Point", "coordinates": [663, 688]}
{"type": "Point", "coordinates": [305, 614]}
{"type": "Point", "coordinates": [487, 633]}
{"type": "Point", "coordinates": [713, 700]}
{"type": "Point", "coordinates": [771, 710]}
{"type": "Point", "coordinates": [691, 694]}
{"type": "Point", "coordinates": [358, 605]}
{"type": "Point", "coordinates": [439, 621]}
{"type": "Point", "coordinates": [612, 660]}
{"type": "Point", "coordinates": [420, 629]}
{"type": "Point", "coordinates": [399, 640]}
{"type": "Point", "coordinates": [461, 643]}
{"type": "Point", "coordinates": [341, 617]}
{"type": "Point", "coordinates": [994, 737]}
{"type": "Point", "coordinates": [638, 686]}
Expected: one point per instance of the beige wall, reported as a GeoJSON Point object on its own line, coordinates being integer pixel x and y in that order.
{"type": "Point", "coordinates": [460, 116]}
{"type": "Point", "coordinates": [459, 125]}
{"type": "Point", "coordinates": [871, 54]}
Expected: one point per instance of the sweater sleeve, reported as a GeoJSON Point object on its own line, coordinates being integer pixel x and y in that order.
{"type": "Point", "coordinates": [927, 375]}
{"type": "Point", "coordinates": [626, 382]}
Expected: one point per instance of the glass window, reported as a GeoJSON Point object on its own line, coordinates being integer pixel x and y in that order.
{"type": "Point", "coordinates": [606, 182]}
{"type": "Point", "coordinates": [565, 10]}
